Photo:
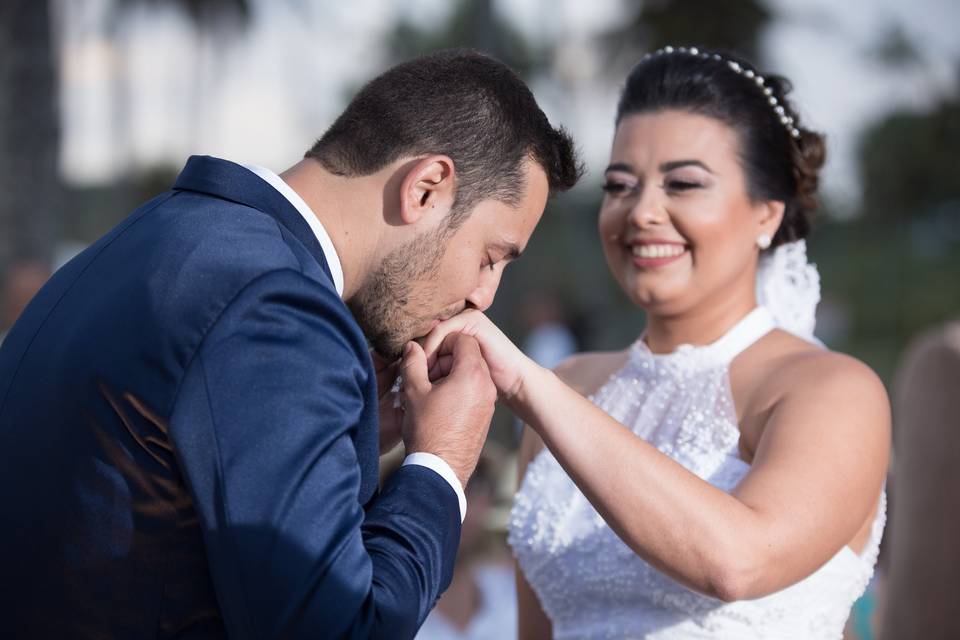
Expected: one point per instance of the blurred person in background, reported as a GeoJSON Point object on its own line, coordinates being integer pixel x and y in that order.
{"type": "Point", "coordinates": [549, 339]}
{"type": "Point", "coordinates": [921, 587]}
{"type": "Point", "coordinates": [725, 479]}
{"type": "Point", "coordinates": [481, 602]}
{"type": "Point", "coordinates": [20, 283]}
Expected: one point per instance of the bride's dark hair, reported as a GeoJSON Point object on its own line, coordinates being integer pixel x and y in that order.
{"type": "Point", "coordinates": [780, 157]}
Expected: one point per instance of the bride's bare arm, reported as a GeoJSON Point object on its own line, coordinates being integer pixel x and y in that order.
{"type": "Point", "coordinates": [584, 374]}
{"type": "Point", "coordinates": [814, 480]}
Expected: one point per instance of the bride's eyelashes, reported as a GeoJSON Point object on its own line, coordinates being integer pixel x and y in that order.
{"type": "Point", "coordinates": [678, 186]}
{"type": "Point", "coordinates": [618, 188]}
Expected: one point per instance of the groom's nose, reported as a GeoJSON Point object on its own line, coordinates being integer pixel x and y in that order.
{"type": "Point", "coordinates": [482, 296]}
{"type": "Point", "coordinates": [480, 299]}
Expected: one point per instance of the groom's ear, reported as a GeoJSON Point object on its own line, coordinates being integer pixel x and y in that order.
{"type": "Point", "coordinates": [428, 189]}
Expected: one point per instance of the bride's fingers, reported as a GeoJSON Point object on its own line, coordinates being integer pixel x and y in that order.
{"type": "Point", "coordinates": [433, 340]}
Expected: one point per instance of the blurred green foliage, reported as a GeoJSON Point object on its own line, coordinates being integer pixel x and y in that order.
{"type": "Point", "coordinates": [909, 162]}
{"type": "Point", "coordinates": [896, 266]}
{"type": "Point", "coordinates": [473, 24]}
{"type": "Point", "coordinates": [728, 26]}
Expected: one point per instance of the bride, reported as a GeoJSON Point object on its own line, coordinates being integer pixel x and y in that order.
{"type": "Point", "coordinates": [722, 477]}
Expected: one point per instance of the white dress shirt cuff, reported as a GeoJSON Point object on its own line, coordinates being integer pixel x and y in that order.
{"type": "Point", "coordinates": [439, 465]}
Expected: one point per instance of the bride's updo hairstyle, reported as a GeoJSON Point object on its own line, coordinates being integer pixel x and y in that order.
{"type": "Point", "coordinates": [781, 159]}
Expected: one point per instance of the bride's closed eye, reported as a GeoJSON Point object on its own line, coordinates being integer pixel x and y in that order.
{"type": "Point", "coordinates": [619, 188]}
{"type": "Point", "coordinates": [680, 185]}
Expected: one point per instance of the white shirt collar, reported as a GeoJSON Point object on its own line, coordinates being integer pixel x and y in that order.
{"type": "Point", "coordinates": [329, 251]}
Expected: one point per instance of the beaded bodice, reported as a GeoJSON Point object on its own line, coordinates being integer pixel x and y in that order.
{"type": "Point", "coordinates": [592, 585]}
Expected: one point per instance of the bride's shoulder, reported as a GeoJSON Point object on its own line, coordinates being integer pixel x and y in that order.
{"type": "Point", "coordinates": [587, 372]}
{"type": "Point", "coordinates": [789, 381]}
{"type": "Point", "coordinates": [790, 367]}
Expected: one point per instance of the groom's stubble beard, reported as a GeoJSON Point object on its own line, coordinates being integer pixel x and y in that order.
{"type": "Point", "coordinates": [393, 303]}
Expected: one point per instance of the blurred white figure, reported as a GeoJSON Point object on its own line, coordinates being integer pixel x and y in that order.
{"type": "Point", "coordinates": [481, 603]}
{"type": "Point", "coordinates": [549, 341]}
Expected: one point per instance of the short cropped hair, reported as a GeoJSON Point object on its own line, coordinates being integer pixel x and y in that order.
{"type": "Point", "coordinates": [459, 103]}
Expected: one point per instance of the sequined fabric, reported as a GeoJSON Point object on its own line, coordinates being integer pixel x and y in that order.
{"type": "Point", "coordinates": [592, 585]}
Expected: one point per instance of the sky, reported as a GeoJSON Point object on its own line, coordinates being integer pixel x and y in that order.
{"type": "Point", "coordinates": [154, 92]}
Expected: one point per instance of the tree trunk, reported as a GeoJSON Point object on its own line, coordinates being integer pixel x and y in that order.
{"type": "Point", "coordinates": [29, 132]}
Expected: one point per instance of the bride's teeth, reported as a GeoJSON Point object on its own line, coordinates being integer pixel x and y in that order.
{"type": "Point", "coordinates": [657, 250]}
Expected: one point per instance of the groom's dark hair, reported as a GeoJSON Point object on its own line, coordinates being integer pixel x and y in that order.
{"type": "Point", "coordinates": [460, 103]}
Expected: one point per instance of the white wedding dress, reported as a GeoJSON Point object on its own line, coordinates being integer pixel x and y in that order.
{"type": "Point", "coordinates": [592, 585]}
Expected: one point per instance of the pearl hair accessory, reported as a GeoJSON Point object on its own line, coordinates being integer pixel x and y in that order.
{"type": "Point", "coordinates": [763, 241]}
{"type": "Point", "coordinates": [750, 74]}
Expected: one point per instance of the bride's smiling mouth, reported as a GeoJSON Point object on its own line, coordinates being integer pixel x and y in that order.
{"type": "Point", "coordinates": [646, 254]}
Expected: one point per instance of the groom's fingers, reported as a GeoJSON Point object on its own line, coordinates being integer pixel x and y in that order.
{"type": "Point", "coordinates": [415, 373]}
{"type": "Point", "coordinates": [441, 367]}
{"type": "Point", "coordinates": [465, 352]}
{"type": "Point", "coordinates": [441, 362]}
{"type": "Point", "coordinates": [437, 344]}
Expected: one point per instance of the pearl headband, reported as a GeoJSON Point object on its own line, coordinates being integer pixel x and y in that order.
{"type": "Point", "coordinates": [785, 120]}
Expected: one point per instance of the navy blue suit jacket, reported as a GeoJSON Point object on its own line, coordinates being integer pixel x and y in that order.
{"type": "Point", "coordinates": [189, 440]}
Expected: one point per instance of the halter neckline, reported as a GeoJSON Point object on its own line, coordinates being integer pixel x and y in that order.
{"type": "Point", "coordinates": [735, 341]}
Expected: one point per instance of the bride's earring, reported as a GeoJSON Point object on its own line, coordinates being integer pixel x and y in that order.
{"type": "Point", "coordinates": [763, 241]}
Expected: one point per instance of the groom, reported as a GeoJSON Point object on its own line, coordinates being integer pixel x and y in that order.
{"type": "Point", "coordinates": [188, 410]}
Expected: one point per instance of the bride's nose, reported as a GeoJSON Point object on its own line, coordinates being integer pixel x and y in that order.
{"type": "Point", "coordinates": [647, 210]}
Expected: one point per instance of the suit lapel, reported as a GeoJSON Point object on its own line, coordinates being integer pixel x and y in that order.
{"type": "Point", "coordinates": [230, 181]}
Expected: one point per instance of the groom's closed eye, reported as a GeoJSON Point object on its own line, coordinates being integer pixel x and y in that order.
{"type": "Point", "coordinates": [500, 252]}
{"type": "Point", "coordinates": [507, 250]}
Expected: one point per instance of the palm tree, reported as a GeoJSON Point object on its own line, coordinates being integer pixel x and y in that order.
{"type": "Point", "coordinates": [474, 24]}
{"type": "Point", "coordinates": [30, 187]}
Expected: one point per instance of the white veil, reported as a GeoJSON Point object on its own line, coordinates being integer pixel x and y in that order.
{"type": "Point", "coordinates": [789, 287]}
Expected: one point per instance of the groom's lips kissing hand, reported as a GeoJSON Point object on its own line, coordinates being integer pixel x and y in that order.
{"type": "Point", "coordinates": [443, 318]}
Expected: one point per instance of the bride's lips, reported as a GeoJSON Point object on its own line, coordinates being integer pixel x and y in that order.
{"type": "Point", "coordinates": [649, 254]}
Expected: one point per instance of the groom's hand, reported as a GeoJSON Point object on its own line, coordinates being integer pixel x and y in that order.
{"type": "Point", "coordinates": [450, 416]}
{"type": "Point", "coordinates": [508, 366]}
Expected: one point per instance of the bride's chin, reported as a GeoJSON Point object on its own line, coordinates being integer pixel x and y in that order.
{"type": "Point", "coordinates": [652, 300]}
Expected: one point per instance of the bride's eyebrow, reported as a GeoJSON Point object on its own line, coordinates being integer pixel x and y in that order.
{"type": "Point", "coordinates": [676, 164]}
{"type": "Point", "coordinates": [619, 166]}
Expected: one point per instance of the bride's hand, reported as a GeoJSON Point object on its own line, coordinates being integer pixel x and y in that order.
{"type": "Point", "coordinates": [508, 365]}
